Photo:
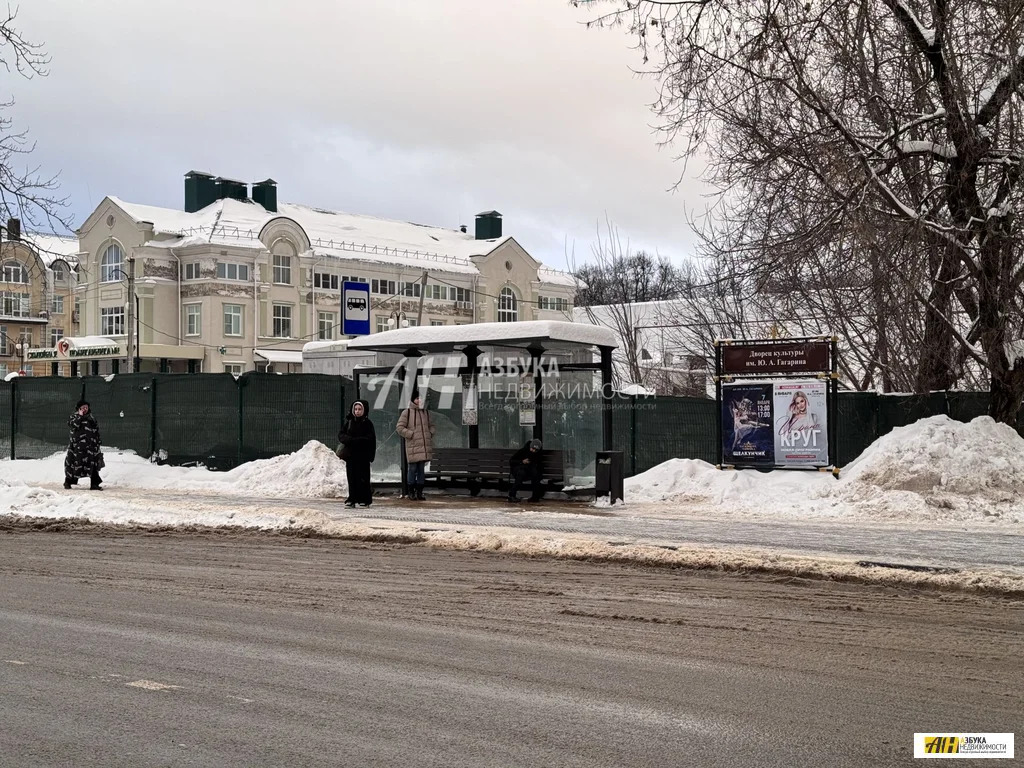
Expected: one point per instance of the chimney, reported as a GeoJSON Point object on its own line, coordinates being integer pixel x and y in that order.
{"type": "Point", "coordinates": [265, 193]}
{"type": "Point", "coordinates": [200, 191]}
{"type": "Point", "coordinates": [14, 229]}
{"type": "Point", "coordinates": [488, 225]}
{"type": "Point", "coordinates": [230, 189]}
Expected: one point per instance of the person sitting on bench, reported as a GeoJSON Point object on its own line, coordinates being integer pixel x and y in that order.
{"type": "Point", "coordinates": [526, 466]}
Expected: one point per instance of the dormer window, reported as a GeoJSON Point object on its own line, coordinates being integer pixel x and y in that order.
{"type": "Point", "coordinates": [14, 272]}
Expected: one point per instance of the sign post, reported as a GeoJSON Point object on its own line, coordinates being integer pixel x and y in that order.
{"type": "Point", "coordinates": [355, 309]}
{"type": "Point", "coordinates": [777, 403]}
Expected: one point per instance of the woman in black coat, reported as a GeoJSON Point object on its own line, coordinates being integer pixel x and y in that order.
{"type": "Point", "coordinates": [84, 457]}
{"type": "Point", "coordinates": [358, 449]}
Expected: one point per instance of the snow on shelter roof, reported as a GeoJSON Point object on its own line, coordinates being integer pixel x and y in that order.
{"type": "Point", "coordinates": [531, 333]}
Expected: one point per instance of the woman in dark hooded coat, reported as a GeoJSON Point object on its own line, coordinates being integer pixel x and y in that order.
{"type": "Point", "coordinates": [84, 457]}
{"type": "Point", "coordinates": [358, 450]}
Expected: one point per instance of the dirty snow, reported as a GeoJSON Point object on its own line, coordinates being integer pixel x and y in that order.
{"type": "Point", "coordinates": [935, 470]}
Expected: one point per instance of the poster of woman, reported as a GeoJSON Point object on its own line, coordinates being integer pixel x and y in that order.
{"type": "Point", "coordinates": [801, 424]}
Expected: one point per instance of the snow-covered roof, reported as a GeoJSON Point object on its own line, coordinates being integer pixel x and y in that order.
{"type": "Point", "coordinates": [344, 235]}
{"type": "Point", "coordinates": [523, 334]}
{"type": "Point", "coordinates": [53, 247]}
{"type": "Point", "coordinates": [331, 233]}
{"type": "Point", "coordinates": [280, 355]}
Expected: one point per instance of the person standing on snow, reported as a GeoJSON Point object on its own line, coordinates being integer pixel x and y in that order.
{"type": "Point", "coordinates": [417, 428]}
{"type": "Point", "coordinates": [84, 457]}
{"type": "Point", "coordinates": [358, 449]}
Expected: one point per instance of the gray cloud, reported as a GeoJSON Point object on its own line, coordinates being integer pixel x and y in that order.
{"type": "Point", "coordinates": [423, 111]}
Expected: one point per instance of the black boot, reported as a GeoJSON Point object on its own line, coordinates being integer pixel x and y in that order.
{"type": "Point", "coordinates": [419, 493]}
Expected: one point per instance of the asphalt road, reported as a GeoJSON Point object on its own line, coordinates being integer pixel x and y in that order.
{"type": "Point", "coordinates": [136, 650]}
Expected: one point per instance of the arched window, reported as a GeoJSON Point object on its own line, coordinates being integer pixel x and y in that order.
{"type": "Point", "coordinates": [508, 306]}
{"type": "Point", "coordinates": [111, 264]}
{"type": "Point", "coordinates": [13, 272]}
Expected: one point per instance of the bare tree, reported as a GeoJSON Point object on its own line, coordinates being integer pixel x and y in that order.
{"type": "Point", "coordinates": [25, 193]}
{"type": "Point", "coordinates": [834, 126]}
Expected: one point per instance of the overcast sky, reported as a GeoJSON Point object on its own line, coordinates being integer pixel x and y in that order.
{"type": "Point", "coordinates": [422, 111]}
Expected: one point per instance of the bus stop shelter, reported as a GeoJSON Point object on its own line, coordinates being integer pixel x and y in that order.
{"type": "Point", "coordinates": [472, 349]}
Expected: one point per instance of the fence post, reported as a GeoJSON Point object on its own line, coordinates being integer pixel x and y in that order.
{"type": "Point", "coordinates": [14, 415]}
{"type": "Point", "coordinates": [152, 417]}
{"type": "Point", "coordinates": [632, 435]}
{"type": "Point", "coordinates": [241, 418]}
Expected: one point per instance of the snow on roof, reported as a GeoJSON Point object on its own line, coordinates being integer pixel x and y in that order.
{"type": "Point", "coordinates": [280, 355]}
{"type": "Point", "coordinates": [504, 334]}
{"type": "Point", "coordinates": [344, 235]}
{"type": "Point", "coordinates": [555, 277]}
{"type": "Point", "coordinates": [53, 247]}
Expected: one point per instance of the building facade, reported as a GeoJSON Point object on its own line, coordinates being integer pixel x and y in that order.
{"type": "Point", "coordinates": [37, 300]}
{"type": "Point", "coordinates": [236, 282]}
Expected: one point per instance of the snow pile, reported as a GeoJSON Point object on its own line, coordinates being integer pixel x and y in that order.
{"type": "Point", "coordinates": [313, 471]}
{"type": "Point", "coordinates": [936, 469]}
{"type": "Point", "coordinates": [937, 455]}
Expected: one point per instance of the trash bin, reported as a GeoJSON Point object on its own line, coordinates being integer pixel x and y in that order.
{"type": "Point", "coordinates": [608, 480]}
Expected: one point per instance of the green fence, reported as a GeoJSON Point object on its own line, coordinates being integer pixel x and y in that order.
{"type": "Point", "coordinates": [212, 419]}
{"type": "Point", "coordinates": [218, 421]}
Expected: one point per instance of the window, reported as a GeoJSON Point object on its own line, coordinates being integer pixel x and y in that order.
{"type": "Point", "coordinates": [232, 319]}
{"type": "Point", "coordinates": [411, 321]}
{"type": "Point", "coordinates": [353, 279]}
{"type": "Point", "coordinates": [193, 319]}
{"type": "Point", "coordinates": [192, 270]}
{"type": "Point", "coordinates": [436, 292]}
{"type": "Point", "coordinates": [227, 270]}
{"type": "Point", "coordinates": [111, 264]}
{"type": "Point", "coordinates": [382, 323]}
{"type": "Point", "coordinates": [282, 321]}
{"type": "Point", "coordinates": [112, 321]}
{"type": "Point", "coordinates": [56, 334]}
{"type": "Point", "coordinates": [384, 287]}
{"type": "Point", "coordinates": [13, 272]}
{"type": "Point", "coordinates": [14, 304]}
{"type": "Point", "coordinates": [508, 306]}
{"type": "Point", "coordinates": [436, 323]}
{"type": "Point", "coordinates": [325, 326]}
{"type": "Point", "coordinates": [57, 305]}
{"type": "Point", "coordinates": [410, 289]}
{"type": "Point", "coordinates": [235, 369]}
{"type": "Point", "coordinates": [459, 294]}
{"type": "Point", "coordinates": [59, 274]}
{"type": "Point", "coordinates": [283, 269]}
{"type": "Point", "coordinates": [325, 280]}
{"type": "Point", "coordinates": [558, 305]}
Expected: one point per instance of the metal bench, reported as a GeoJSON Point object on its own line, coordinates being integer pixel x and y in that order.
{"type": "Point", "coordinates": [476, 468]}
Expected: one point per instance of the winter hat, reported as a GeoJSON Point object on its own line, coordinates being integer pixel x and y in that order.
{"type": "Point", "coordinates": [415, 395]}
{"type": "Point", "coordinates": [81, 403]}
{"type": "Point", "coordinates": [535, 444]}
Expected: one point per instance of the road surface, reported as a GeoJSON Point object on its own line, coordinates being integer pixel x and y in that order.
{"type": "Point", "coordinates": [252, 649]}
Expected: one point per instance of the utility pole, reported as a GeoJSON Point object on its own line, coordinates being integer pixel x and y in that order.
{"type": "Point", "coordinates": [131, 315]}
{"type": "Point", "coordinates": [423, 293]}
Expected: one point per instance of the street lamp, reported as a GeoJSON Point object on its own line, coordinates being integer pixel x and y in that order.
{"type": "Point", "coordinates": [398, 319]}
{"type": "Point", "coordinates": [133, 348]}
{"type": "Point", "coordinates": [22, 347]}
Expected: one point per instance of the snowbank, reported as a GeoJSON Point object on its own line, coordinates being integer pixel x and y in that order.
{"type": "Point", "coordinates": [314, 471]}
{"type": "Point", "coordinates": [936, 469]}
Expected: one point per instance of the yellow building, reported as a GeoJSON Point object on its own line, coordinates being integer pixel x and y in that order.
{"type": "Point", "coordinates": [37, 304]}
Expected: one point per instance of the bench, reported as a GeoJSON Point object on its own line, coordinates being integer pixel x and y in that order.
{"type": "Point", "coordinates": [475, 468]}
